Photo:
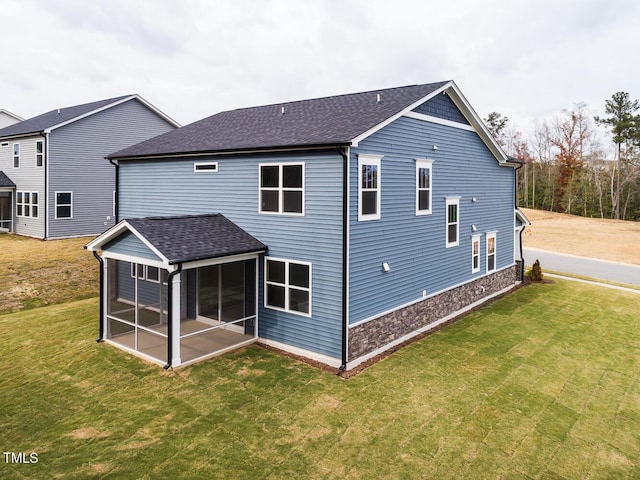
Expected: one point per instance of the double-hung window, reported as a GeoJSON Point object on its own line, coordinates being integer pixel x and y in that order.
{"type": "Point", "coordinates": [282, 188]}
{"type": "Point", "coordinates": [16, 155]}
{"type": "Point", "coordinates": [27, 204]}
{"type": "Point", "coordinates": [453, 221]}
{"type": "Point", "coordinates": [475, 254]}
{"type": "Point", "coordinates": [491, 252]}
{"type": "Point", "coordinates": [288, 286]}
{"type": "Point", "coordinates": [39, 153]}
{"type": "Point", "coordinates": [369, 191]}
{"type": "Point", "coordinates": [423, 186]}
{"type": "Point", "coordinates": [64, 205]}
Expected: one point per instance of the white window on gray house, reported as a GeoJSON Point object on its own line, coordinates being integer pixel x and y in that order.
{"type": "Point", "coordinates": [475, 253]}
{"type": "Point", "coordinates": [39, 153]}
{"type": "Point", "coordinates": [423, 186]}
{"type": "Point", "coordinates": [288, 286]}
{"type": "Point", "coordinates": [282, 188]}
{"type": "Point", "coordinates": [16, 155]}
{"type": "Point", "coordinates": [64, 205]}
{"type": "Point", "coordinates": [369, 190]}
{"type": "Point", "coordinates": [491, 252]}
{"type": "Point", "coordinates": [27, 204]}
{"type": "Point", "coordinates": [453, 221]}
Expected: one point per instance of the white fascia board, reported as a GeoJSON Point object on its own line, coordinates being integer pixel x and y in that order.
{"type": "Point", "coordinates": [439, 121]}
{"type": "Point", "coordinates": [117, 230]}
{"type": "Point", "coordinates": [481, 129]}
{"type": "Point", "coordinates": [157, 111]}
{"type": "Point", "coordinates": [88, 114]}
{"type": "Point", "coordinates": [523, 218]}
{"type": "Point", "coordinates": [362, 136]}
{"type": "Point", "coordinates": [13, 115]}
{"type": "Point", "coordinates": [111, 105]}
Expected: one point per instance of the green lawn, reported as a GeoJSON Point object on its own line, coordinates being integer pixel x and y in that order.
{"type": "Point", "coordinates": [34, 273]}
{"type": "Point", "coordinates": [544, 383]}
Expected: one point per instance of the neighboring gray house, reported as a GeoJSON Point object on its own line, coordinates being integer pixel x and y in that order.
{"type": "Point", "coordinates": [7, 118]}
{"type": "Point", "coordinates": [54, 179]}
{"type": "Point", "coordinates": [332, 228]}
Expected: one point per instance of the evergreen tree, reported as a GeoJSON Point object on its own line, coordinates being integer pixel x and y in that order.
{"type": "Point", "coordinates": [625, 129]}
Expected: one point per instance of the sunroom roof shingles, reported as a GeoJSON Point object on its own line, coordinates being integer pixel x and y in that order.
{"type": "Point", "coordinates": [197, 237]}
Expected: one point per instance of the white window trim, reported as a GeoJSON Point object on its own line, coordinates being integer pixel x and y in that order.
{"type": "Point", "coordinates": [366, 159]}
{"type": "Point", "coordinates": [30, 204]}
{"type": "Point", "coordinates": [13, 156]}
{"type": "Point", "coordinates": [495, 251]}
{"type": "Point", "coordinates": [133, 272]}
{"type": "Point", "coordinates": [287, 287]}
{"type": "Point", "coordinates": [205, 164]}
{"type": "Point", "coordinates": [452, 201]}
{"type": "Point", "coordinates": [55, 198]}
{"type": "Point", "coordinates": [474, 239]}
{"type": "Point", "coordinates": [280, 189]}
{"type": "Point", "coordinates": [424, 163]}
{"type": "Point", "coordinates": [36, 153]}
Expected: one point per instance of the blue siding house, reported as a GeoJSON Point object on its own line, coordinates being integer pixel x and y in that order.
{"type": "Point", "coordinates": [58, 183]}
{"type": "Point", "coordinates": [333, 228]}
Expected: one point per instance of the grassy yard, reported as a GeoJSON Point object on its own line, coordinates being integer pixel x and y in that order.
{"type": "Point", "coordinates": [34, 273]}
{"type": "Point", "coordinates": [544, 383]}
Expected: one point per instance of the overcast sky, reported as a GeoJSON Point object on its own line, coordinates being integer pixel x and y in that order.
{"type": "Point", "coordinates": [526, 59]}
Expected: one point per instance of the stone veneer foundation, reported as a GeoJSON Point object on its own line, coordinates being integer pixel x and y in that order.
{"type": "Point", "coordinates": [375, 334]}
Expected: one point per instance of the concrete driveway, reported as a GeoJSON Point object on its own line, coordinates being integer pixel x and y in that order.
{"type": "Point", "coordinates": [588, 267]}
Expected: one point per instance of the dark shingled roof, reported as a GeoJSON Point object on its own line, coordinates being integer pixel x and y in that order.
{"type": "Point", "coordinates": [199, 237]}
{"type": "Point", "coordinates": [5, 181]}
{"type": "Point", "coordinates": [52, 118]}
{"type": "Point", "coordinates": [322, 121]}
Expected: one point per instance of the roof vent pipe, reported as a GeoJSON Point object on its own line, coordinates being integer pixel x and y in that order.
{"type": "Point", "coordinates": [378, 98]}
{"type": "Point", "coordinates": [282, 110]}
{"type": "Point", "coordinates": [58, 111]}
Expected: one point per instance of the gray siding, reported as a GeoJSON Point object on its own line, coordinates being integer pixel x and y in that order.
{"type": "Point", "coordinates": [27, 178]}
{"type": "Point", "coordinates": [441, 106]}
{"type": "Point", "coordinates": [129, 244]}
{"type": "Point", "coordinates": [170, 187]}
{"type": "Point", "coordinates": [414, 246]}
{"type": "Point", "coordinates": [77, 164]}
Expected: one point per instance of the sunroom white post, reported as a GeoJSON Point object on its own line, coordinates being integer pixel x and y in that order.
{"type": "Point", "coordinates": [256, 305]}
{"type": "Point", "coordinates": [176, 297]}
{"type": "Point", "coordinates": [106, 333]}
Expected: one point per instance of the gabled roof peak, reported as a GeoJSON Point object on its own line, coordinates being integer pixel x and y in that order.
{"type": "Point", "coordinates": [64, 115]}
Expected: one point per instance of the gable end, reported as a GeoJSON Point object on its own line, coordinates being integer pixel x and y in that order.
{"type": "Point", "coordinates": [442, 107]}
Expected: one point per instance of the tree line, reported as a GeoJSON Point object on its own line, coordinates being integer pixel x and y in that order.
{"type": "Point", "coordinates": [566, 169]}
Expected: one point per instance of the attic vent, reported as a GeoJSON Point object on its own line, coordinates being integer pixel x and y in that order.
{"type": "Point", "coordinates": [209, 167]}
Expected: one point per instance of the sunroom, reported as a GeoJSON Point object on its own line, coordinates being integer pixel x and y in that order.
{"type": "Point", "coordinates": [176, 290]}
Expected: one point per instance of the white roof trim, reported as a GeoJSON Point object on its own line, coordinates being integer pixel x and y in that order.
{"type": "Point", "coordinates": [362, 136]}
{"type": "Point", "coordinates": [440, 121]}
{"type": "Point", "coordinates": [474, 119]}
{"type": "Point", "coordinates": [114, 104]}
{"type": "Point", "coordinates": [13, 115]}
{"type": "Point", "coordinates": [117, 230]}
{"type": "Point", "coordinates": [523, 218]}
{"type": "Point", "coordinates": [451, 89]}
